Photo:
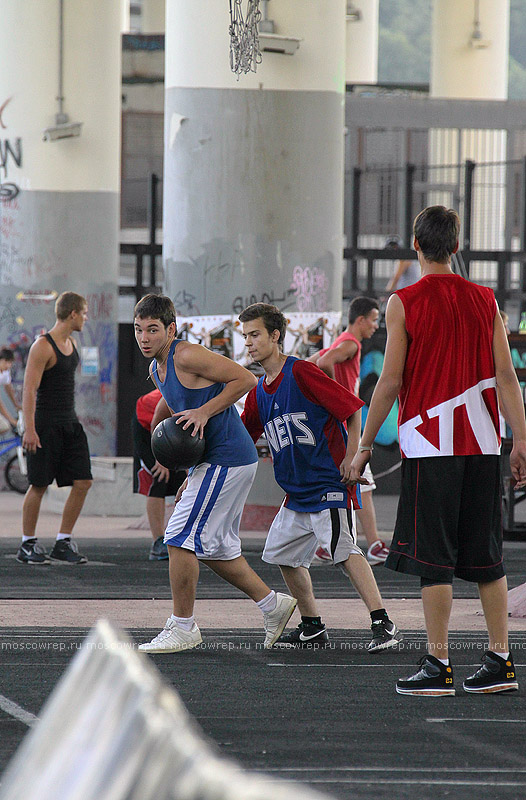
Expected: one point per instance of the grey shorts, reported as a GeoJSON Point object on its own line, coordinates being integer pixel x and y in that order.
{"type": "Point", "coordinates": [294, 536]}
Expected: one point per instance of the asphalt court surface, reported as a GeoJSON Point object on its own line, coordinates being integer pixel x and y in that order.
{"type": "Point", "coordinates": [330, 719]}
{"type": "Point", "coordinates": [119, 569]}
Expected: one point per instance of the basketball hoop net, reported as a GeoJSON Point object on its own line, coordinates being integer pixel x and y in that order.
{"type": "Point", "coordinates": [244, 36]}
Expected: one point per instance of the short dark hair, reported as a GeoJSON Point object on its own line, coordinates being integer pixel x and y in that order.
{"type": "Point", "coordinates": [68, 302]}
{"type": "Point", "coordinates": [436, 230]}
{"type": "Point", "coordinates": [156, 306]}
{"type": "Point", "coordinates": [361, 307]}
{"type": "Point", "coordinates": [7, 354]}
{"type": "Point", "coordinates": [273, 319]}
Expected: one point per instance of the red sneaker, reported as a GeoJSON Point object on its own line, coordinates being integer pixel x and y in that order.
{"type": "Point", "coordinates": [322, 554]}
{"type": "Point", "coordinates": [377, 553]}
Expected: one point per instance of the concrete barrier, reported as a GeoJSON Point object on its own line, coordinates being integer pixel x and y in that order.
{"type": "Point", "coordinates": [112, 492]}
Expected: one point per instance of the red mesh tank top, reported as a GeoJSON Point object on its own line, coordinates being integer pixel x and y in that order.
{"type": "Point", "coordinates": [448, 400]}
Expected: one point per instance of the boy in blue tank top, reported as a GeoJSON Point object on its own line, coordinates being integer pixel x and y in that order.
{"type": "Point", "coordinates": [199, 388]}
{"type": "Point", "coordinates": [302, 413]}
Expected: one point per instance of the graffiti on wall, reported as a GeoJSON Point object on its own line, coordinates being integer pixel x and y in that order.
{"type": "Point", "coordinates": [310, 286]}
{"type": "Point", "coordinates": [97, 390]}
{"type": "Point", "coordinates": [26, 315]}
{"type": "Point", "coordinates": [10, 154]}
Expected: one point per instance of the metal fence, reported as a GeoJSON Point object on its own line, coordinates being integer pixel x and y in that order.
{"type": "Point", "coordinates": [490, 198]}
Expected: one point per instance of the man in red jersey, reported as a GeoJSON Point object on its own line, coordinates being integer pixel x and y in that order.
{"type": "Point", "coordinates": [341, 361]}
{"type": "Point", "coordinates": [446, 356]}
{"type": "Point", "coordinates": [149, 477]}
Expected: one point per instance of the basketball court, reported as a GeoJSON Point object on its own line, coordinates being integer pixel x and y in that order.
{"type": "Point", "coordinates": [327, 718]}
{"type": "Point", "coordinates": [330, 719]}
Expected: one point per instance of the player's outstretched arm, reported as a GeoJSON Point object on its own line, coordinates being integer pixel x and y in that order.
{"type": "Point", "coordinates": [337, 355]}
{"type": "Point", "coordinates": [389, 382]}
{"type": "Point", "coordinates": [353, 436]}
{"type": "Point", "coordinates": [202, 363]}
{"type": "Point", "coordinates": [510, 398]}
{"type": "Point", "coordinates": [162, 411]}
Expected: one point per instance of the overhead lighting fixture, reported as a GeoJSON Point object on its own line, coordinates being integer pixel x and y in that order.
{"type": "Point", "coordinates": [63, 128]}
{"type": "Point", "coordinates": [476, 40]}
{"type": "Point", "coordinates": [272, 42]}
{"type": "Point", "coordinates": [352, 14]}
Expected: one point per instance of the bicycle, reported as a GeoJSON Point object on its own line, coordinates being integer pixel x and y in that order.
{"type": "Point", "coordinates": [15, 470]}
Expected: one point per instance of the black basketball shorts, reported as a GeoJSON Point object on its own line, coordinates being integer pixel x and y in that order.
{"type": "Point", "coordinates": [64, 456]}
{"type": "Point", "coordinates": [449, 519]}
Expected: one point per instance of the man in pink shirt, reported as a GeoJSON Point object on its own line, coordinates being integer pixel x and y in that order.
{"type": "Point", "coordinates": [341, 361]}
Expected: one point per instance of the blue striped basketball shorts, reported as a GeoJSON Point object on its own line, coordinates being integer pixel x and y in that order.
{"type": "Point", "coordinates": [207, 517]}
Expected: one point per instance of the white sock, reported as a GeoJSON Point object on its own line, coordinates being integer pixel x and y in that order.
{"type": "Point", "coordinates": [185, 623]}
{"type": "Point", "coordinates": [444, 661]}
{"type": "Point", "coordinates": [27, 538]}
{"type": "Point", "coordinates": [61, 536]}
{"type": "Point", "coordinates": [505, 656]}
{"type": "Point", "coordinates": [268, 603]}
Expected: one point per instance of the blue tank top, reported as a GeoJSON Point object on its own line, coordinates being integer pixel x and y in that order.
{"type": "Point", "coordinates": [307, 445]}
{"type": "Point", "coordinates": [227, 440]}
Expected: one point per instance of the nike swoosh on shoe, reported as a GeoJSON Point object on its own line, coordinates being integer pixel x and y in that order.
{"type": "Point", "coordinates": [304, 638]}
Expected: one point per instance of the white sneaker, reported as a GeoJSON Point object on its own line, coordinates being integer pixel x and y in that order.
{"type": "Point", "coordinates": [276, 620]}
{"type": "Point", "coordinates": [173, 639]}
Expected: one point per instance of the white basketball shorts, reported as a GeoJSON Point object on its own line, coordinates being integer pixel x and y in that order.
{"type": "Point", "coordinates": [207, 517]}
{"type": "Point", "coordinates": [294, 536]}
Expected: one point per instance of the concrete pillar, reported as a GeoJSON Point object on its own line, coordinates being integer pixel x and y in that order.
{"type": "Point", "coordinates": [464, 66]}
{"type": "Point", "coordinates": [125, 16]}
{"type": "Point", "coordinates": [59, 215]}
{"type": "Point", "coordinates": [361, 59]}
{"type": "Point", "coordinates": [253, 188]}
{"type": "Point", "coordinates": [469, 60]}
{"type": "Point", "coordinates": [153, 16]}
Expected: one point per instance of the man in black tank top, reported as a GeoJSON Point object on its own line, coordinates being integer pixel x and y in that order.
{"type": "Point", "coordinates": [54, 439]}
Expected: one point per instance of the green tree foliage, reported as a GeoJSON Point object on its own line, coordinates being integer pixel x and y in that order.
{"type": "Point", "coordinates": [405, 43]}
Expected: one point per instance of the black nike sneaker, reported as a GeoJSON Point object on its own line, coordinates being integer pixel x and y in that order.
{"type": "Point", "coordinates": [385, 636]}
{"type": "Point", "coordinates": [30, 552]}
{"type": "Point", "coordinates": [313, 636]}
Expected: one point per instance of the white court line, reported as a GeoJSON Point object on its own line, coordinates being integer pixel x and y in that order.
{"type": "Point", "coordinates": [474, 719]}
{"type": "Point", "coordinates": [435, 770]}
{"type": "Point", "coordinates": [16, 711]}
{"type": "Point", "coordinates": [404, 782]}
{"type": "Point", "coordinates": [356, 666]}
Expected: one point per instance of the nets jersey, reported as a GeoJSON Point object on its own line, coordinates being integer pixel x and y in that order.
{"type": "Point", "coordinates": [302, 413]}
{"type": "Point", "coordinates": [348, 372]}
{"type": "Point", "coordinates": [448, 399]}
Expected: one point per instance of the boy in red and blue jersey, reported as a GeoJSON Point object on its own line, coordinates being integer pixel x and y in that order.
{"type": "Point", "coordinates": [303, 414]}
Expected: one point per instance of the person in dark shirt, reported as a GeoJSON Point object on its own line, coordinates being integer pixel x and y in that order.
{"type": "Point", "coordinates": [54, 439]}
{"type": "Point", "coordinates": [149, 477]}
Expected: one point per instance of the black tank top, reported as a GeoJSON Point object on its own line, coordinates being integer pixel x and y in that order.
{"type": "Point", "coordinates": [56, 393]}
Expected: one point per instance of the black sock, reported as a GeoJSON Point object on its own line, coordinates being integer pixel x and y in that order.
{"type": "Point", "coordinates": [380, 615]}
{"type": "Point", "coordinates": [313, 621]}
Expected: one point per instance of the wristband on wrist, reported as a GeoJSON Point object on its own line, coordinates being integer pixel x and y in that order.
{"type": "Point", "coordinates": [363, 449]}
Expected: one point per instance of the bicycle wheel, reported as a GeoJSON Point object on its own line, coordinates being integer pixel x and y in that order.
{"type": "Point", "coordinates": [14, 478]}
